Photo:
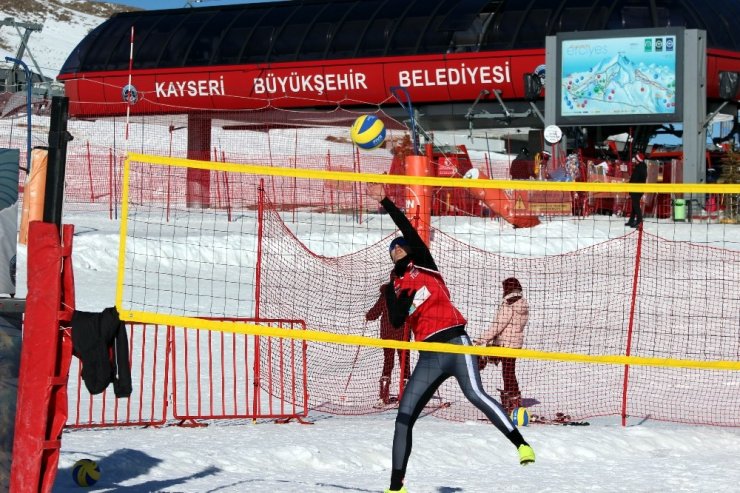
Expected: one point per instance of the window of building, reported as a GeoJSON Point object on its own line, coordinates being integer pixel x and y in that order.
{"type": "Point", "coordinates": [411, 27]}
{"type": "Point", "coordinates": [208, 41]}
{"type": "Point", "coordinates": [258, 47]}
{"type": "Point", "coordinates": [115, 34]}
{"type": "Point", "coordinates": [176, 49]}
{"type": "Point", "coordinates": [375, 38]}
{"type": "Point", "coordinates": [148, 49]}
{"type": "Point", "coordinates": [237, 35]}
{"type": "Point", "coordinates": [289, 39]}
{"type": "Point", "coordinates": [345, 39]}
{"type": "Point", "coordinates": [436, 38]}
{"type": "Point", "coordinates": [319, 33]}
{"type": "Point", "coordinates": [535, 28]}
{"type": "Point", "coordinates": [503, 30]}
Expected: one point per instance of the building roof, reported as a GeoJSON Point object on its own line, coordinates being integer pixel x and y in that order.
{"type": "Point", "coordinates": [299, 30]}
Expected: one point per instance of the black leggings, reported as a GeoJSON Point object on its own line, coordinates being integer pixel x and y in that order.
{"type": "Point", "coordinates": [430, 371]}
{"type": "Point", "coordinates": [636, 210]}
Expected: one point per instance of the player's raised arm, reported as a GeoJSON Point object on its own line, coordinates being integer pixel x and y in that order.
{"type": "Point", "coordinates": [417, 248]}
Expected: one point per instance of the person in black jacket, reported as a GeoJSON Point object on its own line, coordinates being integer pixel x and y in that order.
{"type": "Point", "coordinates": [639, 175]}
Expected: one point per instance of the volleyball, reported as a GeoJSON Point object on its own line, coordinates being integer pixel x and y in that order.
{"type": "Point", "coordinates": [85, 472]}
{"type": "Point", "coordinates": [367, 132]}
{"type": "Point", "coordinates": [520, 416]}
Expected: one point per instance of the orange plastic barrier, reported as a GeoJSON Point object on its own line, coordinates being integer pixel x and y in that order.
{"type": "Point", "coordinates": [419, 197]}
{"type": "Point", "coordinates": [512, 206]}
{"type": "Point", "coordinates": [33, 193]}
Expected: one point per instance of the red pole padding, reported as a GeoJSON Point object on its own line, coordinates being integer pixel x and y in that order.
{"type": "Point", "coordinates": [419, 197]}
{"type": "Point", "coordinates": [45, 357]}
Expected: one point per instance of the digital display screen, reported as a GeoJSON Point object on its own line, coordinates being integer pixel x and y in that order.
{"type": "Point", "coordinates": [619, 78]}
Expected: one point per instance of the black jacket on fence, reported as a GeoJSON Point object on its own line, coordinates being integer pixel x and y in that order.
{"type": "Point", "coordinates": [100, 342]}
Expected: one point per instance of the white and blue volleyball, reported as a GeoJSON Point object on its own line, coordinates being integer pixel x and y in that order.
{"type": "Point", "coordinates": [520, 416]}
{"type": "Point", "coordinates": [367, 132]}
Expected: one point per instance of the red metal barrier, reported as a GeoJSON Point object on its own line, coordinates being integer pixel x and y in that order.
{"type": "Point", "coordinates": [220, 375]}
{"type": "Point", "coordinates": [149, 353]}
{"type": "Point", "coordinates": [214, 375]}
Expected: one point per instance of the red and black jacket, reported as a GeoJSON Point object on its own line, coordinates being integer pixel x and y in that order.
{"type": "Point", "coordinates": [435, 319]}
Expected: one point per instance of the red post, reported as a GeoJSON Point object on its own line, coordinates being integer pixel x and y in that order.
{"type": "Point", "coordinates": [361, 193]}
{"type": "Point", "coordinates": [198, 193]}
{"type": "Point", "coordinates": [218, 191]}
{"type": "Point", "coordinates": [89, 172]}
{"type": "Point", "coordinates": [628, 350]}
{"type": "Point", "coordinates": [331, 189]}
{"type": "Point", "coordinates": [172, 129]}
{"type": "Point", "coordinates": [257, 293]}
{"type": "Point", "coordinates": [272, 178]}
{"type": "Point", "coordinates": [226, 189]}
{"type": "Point", "coordinates": [110, 183]}
{"type": "Point", "coordinates": [295, 181]}
{"type": "Point", "coordinates": [228, 196]}
{"type": "Point", "coordinates": [169, 187]}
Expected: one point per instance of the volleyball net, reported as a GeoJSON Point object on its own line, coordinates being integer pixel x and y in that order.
{"type": "Point", "coordinates": [632, 321]}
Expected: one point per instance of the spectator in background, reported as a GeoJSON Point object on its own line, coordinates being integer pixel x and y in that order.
{"type": "Point", "coordinates": [507, 330]}
{"type": "Point", "coordinates": [522, 167]}
{"type": "Point", "coordinates": [639, 175]}
{"type": "Point", "coordinates": [387, 331]}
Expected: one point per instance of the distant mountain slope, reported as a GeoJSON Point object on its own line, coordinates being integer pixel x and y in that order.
{"type": "Point", "coordinates": [64, 24]}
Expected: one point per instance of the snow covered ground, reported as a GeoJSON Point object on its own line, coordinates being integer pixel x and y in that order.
{"type": "Point", "coordinates": [354, 455]}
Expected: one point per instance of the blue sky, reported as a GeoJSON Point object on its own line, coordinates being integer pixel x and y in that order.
{"type": "Point", "coordinates": [176, 4]}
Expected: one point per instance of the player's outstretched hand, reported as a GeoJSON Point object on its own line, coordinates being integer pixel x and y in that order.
{"type": "Point", "coordinates": [376, 191]}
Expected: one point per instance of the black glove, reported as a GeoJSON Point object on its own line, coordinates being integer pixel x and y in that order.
{"type": "Point", "coordinates": [406, 297]}
{"type": "Point", "coordinates": [398, 307]}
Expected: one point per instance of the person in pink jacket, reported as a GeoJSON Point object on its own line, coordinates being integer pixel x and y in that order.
{"type": "Point", "coordinates": [508, 331]}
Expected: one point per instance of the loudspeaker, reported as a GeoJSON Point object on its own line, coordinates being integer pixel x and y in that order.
{"type": "Point", "coordinates": [728, 85]}
{"type": "Point", "coordinates": [532, 87]}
